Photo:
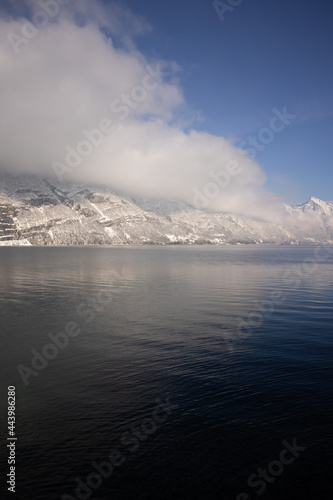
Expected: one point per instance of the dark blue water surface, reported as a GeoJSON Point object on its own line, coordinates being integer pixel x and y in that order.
{"type": "Point", "coordinates": [241, 371]}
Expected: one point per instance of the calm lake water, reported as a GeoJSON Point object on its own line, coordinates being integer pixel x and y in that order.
{"type": "Point", "coordinates": [179, 362]}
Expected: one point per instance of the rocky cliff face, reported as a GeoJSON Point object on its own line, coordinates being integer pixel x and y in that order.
{"type": "Point", "coordinates": [41, 212]}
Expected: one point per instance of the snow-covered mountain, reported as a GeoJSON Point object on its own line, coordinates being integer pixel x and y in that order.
{"type": "Point", "coordinates": [36, 211]}
{"type": "Point", "coordinates": [313, 205]}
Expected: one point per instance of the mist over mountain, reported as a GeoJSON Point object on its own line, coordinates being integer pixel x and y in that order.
{"type": "Point", "coordinates": [127, 126]}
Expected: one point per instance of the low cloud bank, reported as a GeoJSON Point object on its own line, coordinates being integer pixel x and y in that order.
{"type": "Point", "coordinates": [80, 102]}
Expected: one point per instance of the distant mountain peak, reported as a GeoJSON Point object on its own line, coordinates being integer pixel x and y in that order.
{"type": "Point", "coordinates": [313, 199]}
{"type": "Point", "coordinates": [314, 205]}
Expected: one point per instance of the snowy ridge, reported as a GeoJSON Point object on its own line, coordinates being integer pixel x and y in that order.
{"type": "Point", "coordinates": [312, 205]}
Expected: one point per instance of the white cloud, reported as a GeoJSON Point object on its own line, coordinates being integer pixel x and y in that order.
{"type": "Point", "coordinates": [66, 78]}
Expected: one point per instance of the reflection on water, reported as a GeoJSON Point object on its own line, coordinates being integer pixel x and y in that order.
{"type": "Point", "coordinates": [154, 322]}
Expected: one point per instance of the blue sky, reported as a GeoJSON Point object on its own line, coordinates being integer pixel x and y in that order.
{"type": "Point", "coordinates": [264, 55]}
